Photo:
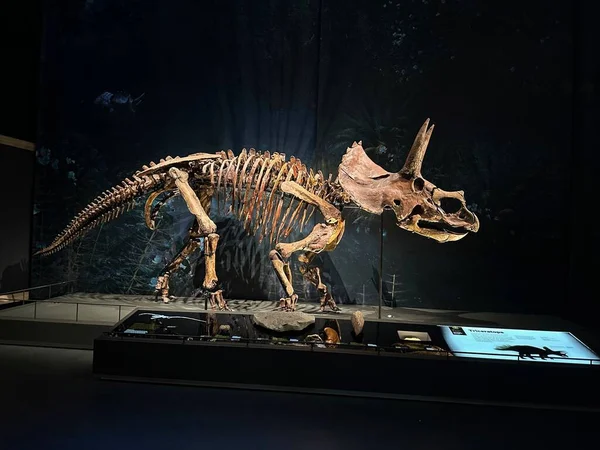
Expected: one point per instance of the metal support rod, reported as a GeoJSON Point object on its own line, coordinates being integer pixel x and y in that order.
{"type": "Point", "coordinates": [119, 313]}
{"type": "Point", "coordinates": [380, 265]}
{"type": "Point", "coordinates": [76, 312]}
{"type": "Point", "coordinates": [35, 310]}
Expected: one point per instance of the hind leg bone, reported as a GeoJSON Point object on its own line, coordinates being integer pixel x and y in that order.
{"type": "Point", "coordinates": [191, 245]}
{"type": "Point", "coordinates": [206, 228]}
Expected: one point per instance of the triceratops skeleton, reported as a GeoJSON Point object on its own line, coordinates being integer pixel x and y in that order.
{"type": "Point", "coordinates": [272, 196]}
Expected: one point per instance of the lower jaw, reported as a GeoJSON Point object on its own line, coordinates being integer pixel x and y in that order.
{"type": "Point", "coordinates": [441, 236]}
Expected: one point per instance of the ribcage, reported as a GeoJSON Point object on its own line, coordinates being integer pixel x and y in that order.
{"type": "Point", "coordinates": [248, 186]}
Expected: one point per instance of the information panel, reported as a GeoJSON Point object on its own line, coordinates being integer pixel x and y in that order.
{"type": "Point", "coordinates": [527, 345]}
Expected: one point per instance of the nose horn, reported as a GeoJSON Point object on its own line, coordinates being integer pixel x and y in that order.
{"type": "Point", "coordinates": [414, 160]}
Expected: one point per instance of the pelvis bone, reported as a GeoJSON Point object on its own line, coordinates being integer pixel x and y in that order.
{"type": "Point", "coordinates": [419, 206]}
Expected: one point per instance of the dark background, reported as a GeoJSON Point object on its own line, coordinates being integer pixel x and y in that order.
{"type": "Point", "coordinates": [20, 35]}
{"type": "Point", "coordinates": [16, 181]}
{"type": "Point", "coordinates": [510, 87]}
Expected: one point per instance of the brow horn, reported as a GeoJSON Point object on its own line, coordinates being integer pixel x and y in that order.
{"type": "Point", "coordinates": [414, 160]}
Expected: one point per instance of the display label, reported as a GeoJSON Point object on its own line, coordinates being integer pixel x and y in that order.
{"type": "Point", "coordinates": [135, 331]}
{"type": "Point", "coordinates": [414, 336]}
{"type": "Point", "coordinates": [525, 345]}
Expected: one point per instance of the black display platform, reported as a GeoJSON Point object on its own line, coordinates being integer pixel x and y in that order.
{"type": "Point", "coordinates": [147, 348]}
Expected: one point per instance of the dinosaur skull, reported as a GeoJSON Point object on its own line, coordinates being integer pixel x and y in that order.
{"type": "Point", "coordinates": [419, 206]}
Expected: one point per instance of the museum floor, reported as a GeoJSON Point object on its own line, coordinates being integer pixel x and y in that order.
{"type": "Point", "coordinates": [50, 400]}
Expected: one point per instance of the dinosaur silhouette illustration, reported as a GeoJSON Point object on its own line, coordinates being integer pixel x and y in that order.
{"type": "Point", "coordinates": [528, 351]}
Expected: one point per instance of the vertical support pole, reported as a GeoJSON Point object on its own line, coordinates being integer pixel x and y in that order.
{"type": "Point", "coordinates": [77, 312]}
{"type": "Point", "coordinates": [119, 313]}
{"type": "Point", "coordinates": [35, 309]}
{"type": "Point", "coordinates": [380, 265]}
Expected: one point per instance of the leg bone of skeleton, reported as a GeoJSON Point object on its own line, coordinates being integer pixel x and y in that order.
{"type": "Point", "coordinates": [312, 274]}
{"type": "Point", "coordinates": [162, 284]}
{"type": "Point", "coordinates": [206, 228]}
{"type": "Point", "coordinates": [330, 212]}
{"type": "Point", "coordinates": [318, 239]}
{"type": "Point", "coordinates": [206, 225]}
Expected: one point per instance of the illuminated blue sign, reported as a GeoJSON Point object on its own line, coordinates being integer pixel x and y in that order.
{"type": "Point", "coordinates": [525, 345]}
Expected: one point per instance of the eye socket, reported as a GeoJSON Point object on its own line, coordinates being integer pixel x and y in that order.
{"type": "Point", "coordinates": [397, 202]}
{"type": "Point", "coordinates": [450, 205]}
{"type": "Point", "coordinates": [418, 184]}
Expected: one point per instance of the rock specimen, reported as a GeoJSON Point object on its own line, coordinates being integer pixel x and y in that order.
{"type": "Point", "coordinates": [358, 322]}
{"type": "Point", "coordinates": [283, 321]}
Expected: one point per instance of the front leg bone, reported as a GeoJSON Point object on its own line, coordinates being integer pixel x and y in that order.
{"type": "Point", "coordinates": [320, 238]}
{"type": "Point", "coordinates": [313, 275]}
{"type": "Point", "coordinates": [330, 212]}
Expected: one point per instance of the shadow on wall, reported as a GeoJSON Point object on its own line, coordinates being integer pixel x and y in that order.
{"type": "Point", "coordinates": [14, 276]}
